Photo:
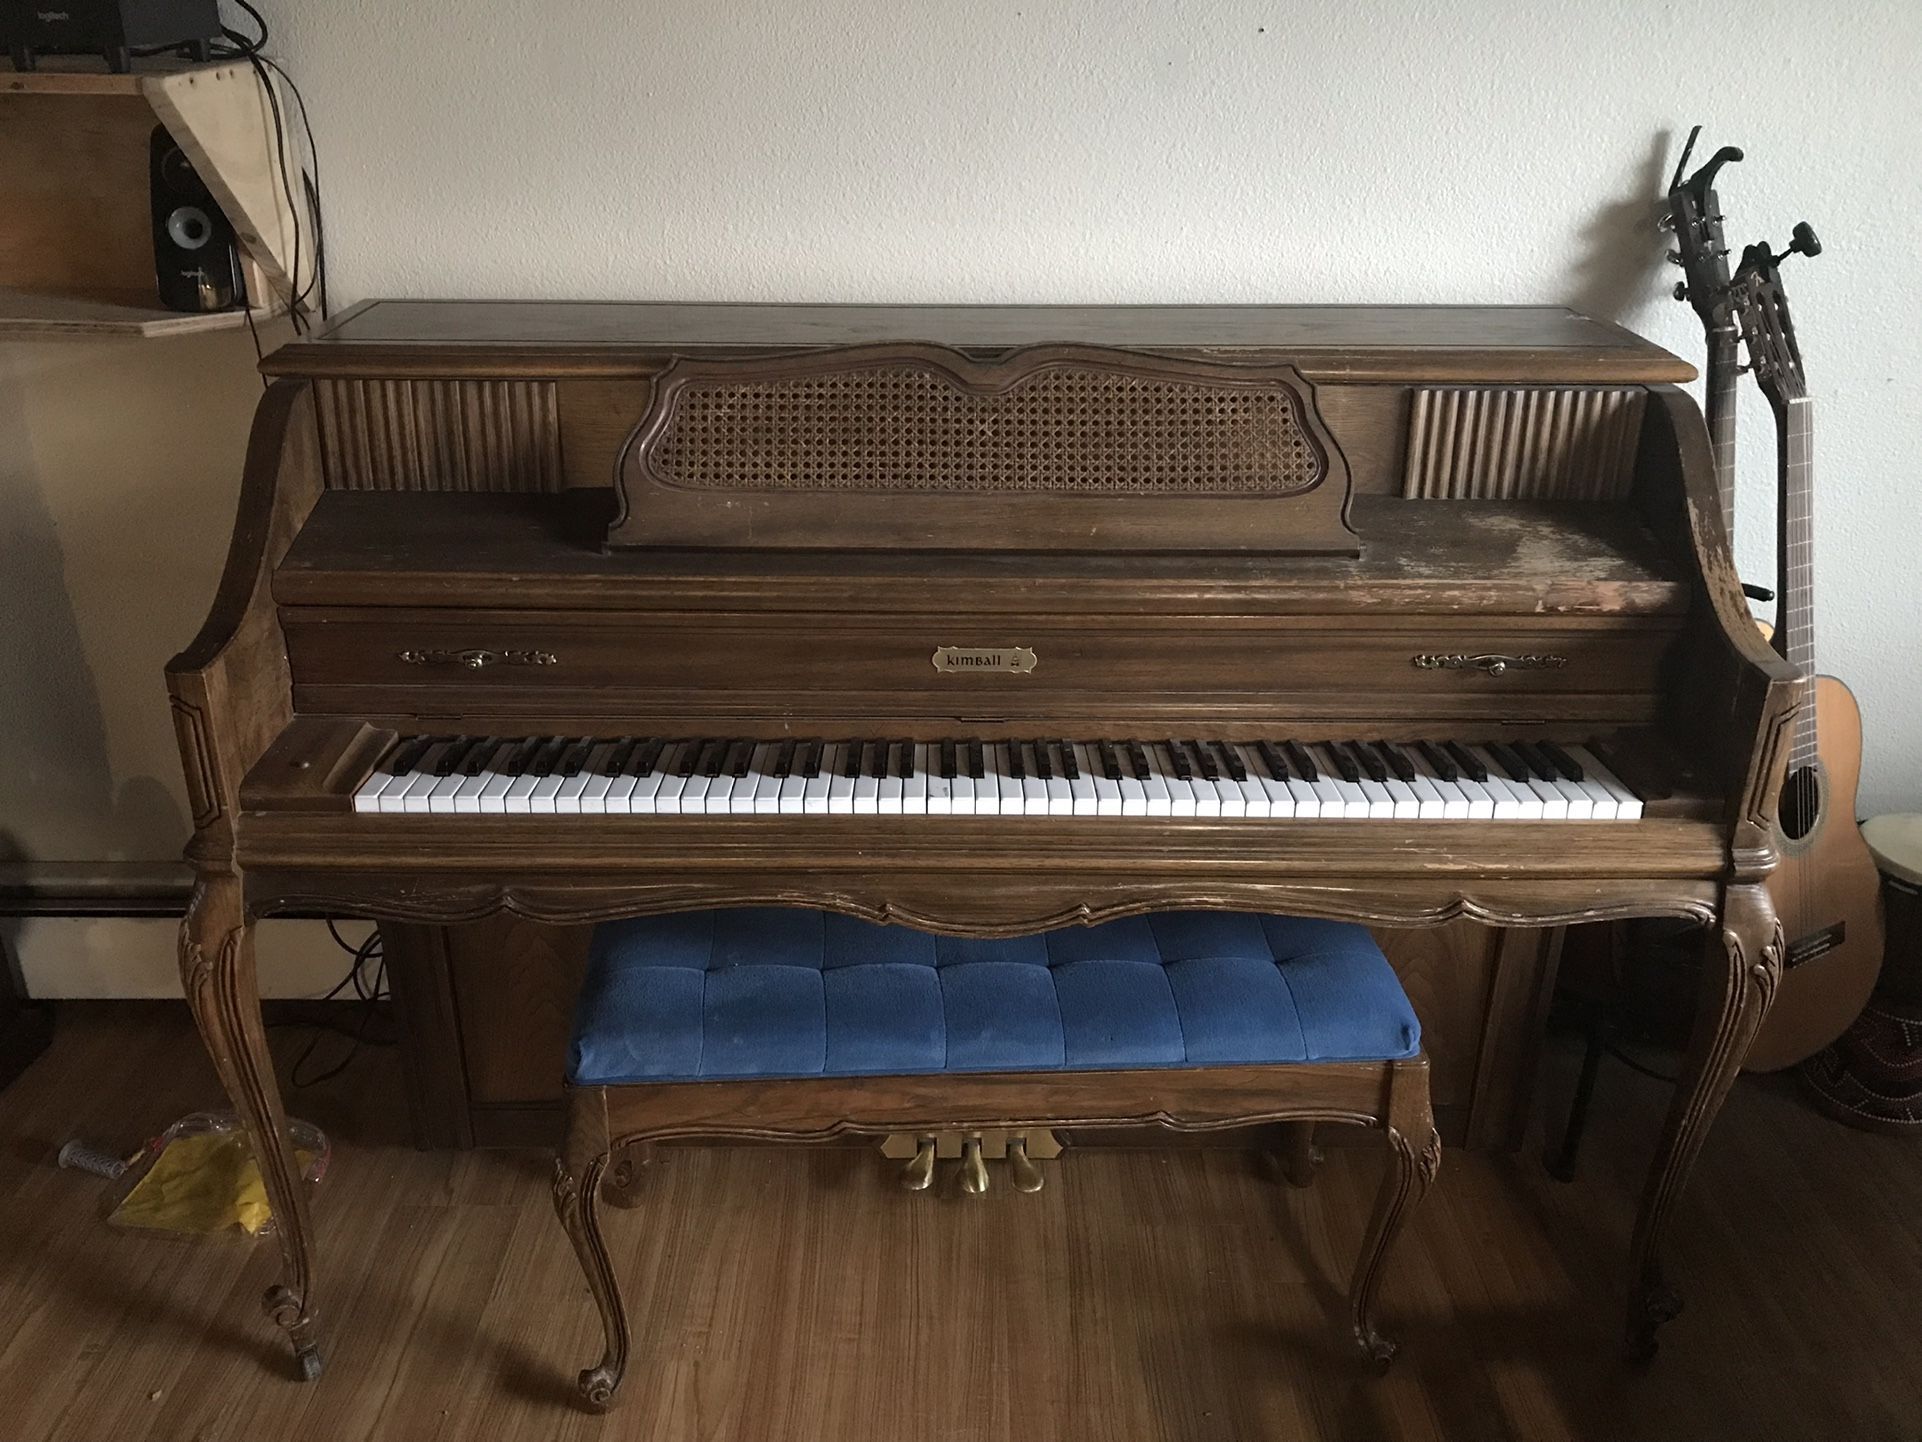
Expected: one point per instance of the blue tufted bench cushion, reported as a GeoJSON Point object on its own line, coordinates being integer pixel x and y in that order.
{"type": "Point", "coordinates": [780, 992]}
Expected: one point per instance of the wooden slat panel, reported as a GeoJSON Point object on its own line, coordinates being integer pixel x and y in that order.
{"type": "Point", "coordinates": [1522, 443]}
{"type": "Point", "coordinates": [388, 435]}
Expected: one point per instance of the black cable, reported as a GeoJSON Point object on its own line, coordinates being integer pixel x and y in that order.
{"type": "Point", "coordinates": [311, 183]}
{"type": "Point", "coordinates": [1635, 1066]}
{"type": "Point", "coordinates": [370, 994]}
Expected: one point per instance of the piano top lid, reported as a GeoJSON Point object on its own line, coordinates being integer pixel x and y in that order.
{"type": "Point", "coordinates": [1410, 343]}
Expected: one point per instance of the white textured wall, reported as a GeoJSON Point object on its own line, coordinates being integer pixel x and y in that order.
{"type": "Point", "coordinates": [1095, 150]}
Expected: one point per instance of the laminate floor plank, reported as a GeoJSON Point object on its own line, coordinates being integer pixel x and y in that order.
{"type": "Point", "coordinates": [1185, 1294]}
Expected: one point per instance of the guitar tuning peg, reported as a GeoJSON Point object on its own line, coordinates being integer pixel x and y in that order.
{"type": "Point", "coordinates": [1026, 1175]}
{"type": "Point", "coordinates": [974, 1171]}
{"type": "Point", "coordinates": [1665, 222]}
{"type": "Point", "coordinates": [918, 1174]}
{"type": "Point", "coordinates": [1675, 257]}
{"type": "Point", "coordinates": [1803, 242]}
{"type": "Point", "coordinates": [1681, 290]}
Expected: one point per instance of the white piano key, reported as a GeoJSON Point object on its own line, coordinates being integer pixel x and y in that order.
{"type": "Point", "coordinates": [1430, 804]}
{"type": "Point", "coordinates": [367, 794]}
{"type": "Point", "coordinates": [1381, 805]}
{"type": "Point", "coordinates": [514, 802]}
{"type": "Point", "coordinates": [1081, 792]}
{"type": "Point", "coordinates": [1107, 794]}
{"type": "Point", "coordinates": [890, 787]}
{"type": "Point", "coordinates": [1512, 802]}
{"type": "Point", "coordinates": [1034, 791]}
{"type": "Point", "coordinates": [1257, 800]}
{"type": "Point", "coordinates": [619, 798]}
{"type": "Point", "coordinates": [1581, 806]}
{"type": "Point", "coordinates": [593, 795]}
{"type": "Point", "coordinates": [867, 790]}
{"type": "Point", "coordinates": [1011, 793]}
{"type": "Point", "coordinates": [541, 799]}
{"type": "Point", "coordinates": [644, 799]}
{"type": "Point", "coordinates": [764, 796]}
{"type": "Point", "coordinates": [467, 799]}
{"type": "Point", "coordinates": [790, 798]}
{"type": "Point", "coordinates": [568, 798]}
{"type": "Point", "coordinates": [1158, 797]}
{"type": "Point", "coordinates": [1407, 805]}
{"type": "Point", "coordinates": [1182, 798]}
{"type": "Point", "coordinates": [1351, 802]}
{"type": "Point", "coordinates": [492, 800]}
{"type": "Point", "coordinates": [940, 788]}
{"type": "Point", "coordinates": [1538, 802]}
{"type": "Point", "coordinates": [1628, 806]}
{"type": "Point", "coordinates": [841, 786]}
{"type": "Point", "coordinates": [914, 786]}
{"type": "Point", "coordinates": [440, 800]}
{"type": "Point", "coordinates": [815, 790]}
{"type": "Point", "coordinates": [960, 787]}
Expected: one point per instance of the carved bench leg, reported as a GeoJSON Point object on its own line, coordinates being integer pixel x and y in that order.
{"type": "Point", "coordinates": [1737, 988]}
{"type": "Point", "coordinates": [577, 1190]}
{"type": "Point", "coordinates": [621, 1187]}
{"type": "Point", "coordinates": [1299, 1154]}
{"type": "Point", "coordinates": [217, 973]}
{"type": "Point", "coordinates": [1414, 1148]}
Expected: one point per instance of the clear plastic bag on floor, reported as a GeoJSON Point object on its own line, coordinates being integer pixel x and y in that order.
{"type": "Point", "coordinates": [199, 1176]}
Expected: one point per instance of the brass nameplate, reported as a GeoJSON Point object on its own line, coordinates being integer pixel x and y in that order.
{"type": "Point", "coordinates": [1016, 660]}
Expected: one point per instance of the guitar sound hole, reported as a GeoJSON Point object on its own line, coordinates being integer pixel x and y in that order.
{"type": "Point", "coordinates": [1801, 802]}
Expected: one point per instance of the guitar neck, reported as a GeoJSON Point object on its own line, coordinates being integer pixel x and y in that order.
{"type": "Point", "coordinates": [1724, 343]}
{"type": "Point", "coordinates": [1795, 613]}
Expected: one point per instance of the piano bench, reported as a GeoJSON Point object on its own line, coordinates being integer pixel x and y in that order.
{"type": "Point", "coordinates": [773, 1023]}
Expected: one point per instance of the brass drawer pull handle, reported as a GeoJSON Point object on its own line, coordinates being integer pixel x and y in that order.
{"type": "Point", "coordinates": [1493, 665]}
{"type": "Point", "coordinates": [475, 660]}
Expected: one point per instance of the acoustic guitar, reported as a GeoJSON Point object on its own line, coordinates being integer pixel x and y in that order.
{"type": "Point", "coordinates": [1826, 890]}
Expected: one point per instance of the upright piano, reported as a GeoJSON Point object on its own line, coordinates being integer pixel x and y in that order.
{"type": "Point", "coordinates": [984, 620]}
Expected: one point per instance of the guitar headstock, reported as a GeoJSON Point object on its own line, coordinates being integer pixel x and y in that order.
{"type": "Point", "coordinates": [1762, 308]}
{"type": "Point", "coordinates": [1695, 215]}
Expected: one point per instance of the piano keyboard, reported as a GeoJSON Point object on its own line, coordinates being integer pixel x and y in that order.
{"type": "Point", "coordinates": [1345, 780]}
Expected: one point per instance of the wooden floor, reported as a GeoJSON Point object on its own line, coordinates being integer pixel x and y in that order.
{"type": "Point", "coordinates": [789, 1294]}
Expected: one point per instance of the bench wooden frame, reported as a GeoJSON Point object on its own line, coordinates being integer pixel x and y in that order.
{"type": "Point", "coordinates": [601, 1120]}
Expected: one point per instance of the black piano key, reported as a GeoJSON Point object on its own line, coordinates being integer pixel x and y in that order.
{"type": "Point", "coordinates": [1539, 761]}
{"type": "Point", "coordinates": [1373, 767]}
{"type": "Point", "coordinates": [1178, 761]}
{"type": "Point", "coordinates": [575, 756]}
{"type": "Point", "coordinates": [1110, 763]}
{"type": "Point", "coordinates": [784, 759]}
{"type": "Point", "coordinates": [851, 760]}
{"type": "Point", "coordinates": [874, 760]}
{"type": "Point", "coordinates": [646, 757]}
{"type": "Point", "coordinates": [456, 752]}
{"type": "Point", "coordinates": [950, 765]}
{"type": "Point", "coordinates": [977, 762]}
{"type": "Point", "coordinates": [1138, 760]}
{"type": "Point", "coordinates": [1065, 758]}
{"type": "Point", "coordinates": [1570, 768]}
{"type": "Point", "coordinates": [1343, 763]}
{"type": "Point", "coordinates": [1204, 760]}
{"type": "Point", "coordinates": [1505, 758]}
{"type": "Point", "coordinates": [682, 757]}
{"type": "Point", "coordinates": [740, 758]}
{"type": "Point", "coordinates": [1438, 760]}
{"type": "Point", "coordinates": [807, 758]}
{"type": "Point", "coordinates": [483, 750]}
{"type": "Point", "coordinates": [712, 754]}
{"type": "Point", "coordinates": [548, 756]}
{"type": "Point", "coordinates": [1298, 758]}
{"type": "Point", "coordinates": [407, 755]}
{"type": "Point", "coordinates": [1231, 761]}
{"type": "Point", "coordinates": [1469, 762]}
{"type": "Point", "coordinates": [1397, 760]}
{"type": "Point", "coordinates": [516, 762]}
{"type": "Point", "coordinates": [1017, 764]}
{"type": "Point", "coordinates": [613, 761]}
{"type": "Point", "coordinates": [1043, 763]}
{"type": "Point", "coordinates": [1272, 759]}
{"type": "Point", "coordinates": [904, 759]}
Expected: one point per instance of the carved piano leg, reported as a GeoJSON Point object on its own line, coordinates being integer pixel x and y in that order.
{"type": "Point", "coordinates": [1299, 1154]}
{"type": "Point", "coordinates": [577, 1193]}
{"type": "Point", "coordinates": [1737, 988]}
{"type": "Point", "coordinates": [217, 973]}
{"type": "Point", "coordinates": [1414, 1151]}
{"type": "Point", "coordinates": [621, 1187]}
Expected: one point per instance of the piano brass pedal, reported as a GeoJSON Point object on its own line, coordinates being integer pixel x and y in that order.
{"type": "Point", "coordinates": [1026, 1175]}
{"type": "Point", "coordinates": [918, 1174]}
{"type": "Point", "coordinates": [974, 1171]}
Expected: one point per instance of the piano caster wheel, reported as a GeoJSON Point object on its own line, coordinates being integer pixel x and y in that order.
{"type": "Point", "coordinates": [918, 1174]}
{"type": "Point", "coordinates": [1027, 1176]}
{"type": "Point", "coordinates": [308, 1359]}
{"type": "Point", "coordinates": [974, 1171]}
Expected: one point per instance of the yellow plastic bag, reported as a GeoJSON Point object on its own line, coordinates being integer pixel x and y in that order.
{"type": "Point", "coordinates": [200, 1176]}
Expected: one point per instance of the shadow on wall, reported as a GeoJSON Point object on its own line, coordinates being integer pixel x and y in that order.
{"type": "Point", "coordinates": [1623, 249]}
{"type": "Point", "coordinates": [50, 712]}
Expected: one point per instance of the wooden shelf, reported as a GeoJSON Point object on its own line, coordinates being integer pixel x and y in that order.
{"type": "Point", "coordinates": [26, 316]}
{"type": "Point", "coordinates": [76, 229]}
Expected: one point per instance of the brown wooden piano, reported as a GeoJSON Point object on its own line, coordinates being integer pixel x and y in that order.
{"type": "Point", "coordinates": [984, 620]}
